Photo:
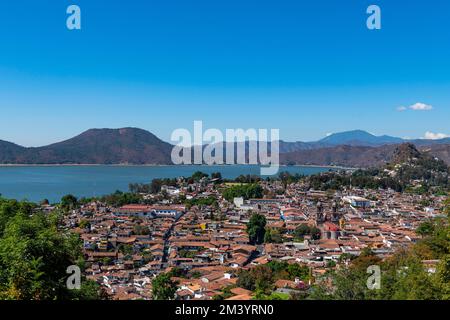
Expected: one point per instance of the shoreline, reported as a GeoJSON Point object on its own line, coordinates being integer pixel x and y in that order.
{"type": "Point", "coordinates": [12, 165]}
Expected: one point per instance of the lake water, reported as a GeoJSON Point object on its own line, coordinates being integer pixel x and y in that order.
{"type": "Point", "coordinates": [35, 183]}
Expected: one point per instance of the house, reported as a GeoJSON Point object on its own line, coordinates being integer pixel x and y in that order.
{"type": "Point", "coordinates": [357, 202]}
{"type": "Point", "coordinates": [144, 211]}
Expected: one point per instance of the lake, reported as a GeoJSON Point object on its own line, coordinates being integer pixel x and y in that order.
{"type": "Point", "coordinates": [36, 183]}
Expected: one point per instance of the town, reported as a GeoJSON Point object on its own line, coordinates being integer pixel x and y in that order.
{"type": "Point", "coordinates": [204, 235]}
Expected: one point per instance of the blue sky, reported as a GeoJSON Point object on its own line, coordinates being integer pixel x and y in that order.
{"type": "Point", "coordinates": [306, 67]}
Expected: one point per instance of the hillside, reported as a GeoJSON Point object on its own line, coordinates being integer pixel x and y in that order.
{"type": "Point", "coordinates": [409, 165]}
{"type": "Point", "coordinates": [405, 169]}
{"type": "Point", "coordinates": [96, 146]}
{"type": "Point", "coordinates": [136, 146]}
{"type": "Point", "coordinates": [363, 157]}
{"type": "Point", "coordinates": [344, 155]}
{"type": "Point", "coordinates": [441, 151]}
{"type": "Point", "coordinates": [10, 152]}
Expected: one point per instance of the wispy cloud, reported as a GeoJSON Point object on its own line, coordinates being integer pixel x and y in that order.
{"type": "Point", "coordinates": [419, 106]}
{"type": "Point", "coordinates": [435, 136]}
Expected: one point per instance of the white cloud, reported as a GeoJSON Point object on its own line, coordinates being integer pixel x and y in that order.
{"type": "Point", "coordinates": [419, 106]}
{"type": "Point", "coordinates": [435, 136]}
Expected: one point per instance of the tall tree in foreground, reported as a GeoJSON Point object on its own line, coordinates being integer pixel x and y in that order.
{"type": "Point", "coordinates": [34, 256]}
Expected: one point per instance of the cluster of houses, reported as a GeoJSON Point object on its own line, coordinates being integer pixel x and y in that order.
{"type": "Point", "coordinates": [126, 247]}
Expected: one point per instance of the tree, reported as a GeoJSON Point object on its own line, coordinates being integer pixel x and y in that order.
{"type": "Point", "coordinates": [247, 191]}
{"type": "Point", "coordinates": [69, 202]}
{"type": "Point", "coordinates": [216, 175]}
{"type": "Point", "coordinates": [119, 198]}
{"type": "Point", "coordinates": [198, 175]}
{"type": "Point", "coordinates": [259, 278]}
{"type": "Point", "coordinates": [301, 231]}
{"type": "Point", "coordinates": [298, 271]}
{"type": "Point", "coordinates": [442, 277]}
{"type": "Point", "coordinates": [83, 224]}
{"type": "Point", "coordinates": [155, 186]}
{"type": "Point", "coordinates": [256, 228]}
{"type": "Point", "coordinates": [447, 206]}
{"type": "Point", "coordinates": [226, 293]}
{"type": "Point", "coordinates": [163, 287]}
{"type": "Point", "coordinates": [90, 290]}
{"type": "Point", "coordinates": [246, 280]}
{"type": "Point", "coordinates": [315, 233]}
{"type": "Point", "coordinates": [331, 264]}
{"type": "Point", "coordinates": [305, 229]}
{"type": "Point", "coordinates": [126, 249]}
{"type": "Point", "coordinates": [350, 284]}
{"type": "Point", "coordinates": [425, 228]}
{"type": "Point", "coordinates": [272, 236]}
{"type": "Point", "coordinates": [34, 256]}
{"type": "Point", "coordinates": [140, 230]}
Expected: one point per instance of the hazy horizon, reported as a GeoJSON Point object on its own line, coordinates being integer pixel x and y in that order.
{"type": "Point", "coordinates": [281, 139]}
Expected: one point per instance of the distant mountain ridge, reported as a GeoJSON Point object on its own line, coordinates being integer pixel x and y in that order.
{"type": "Point", "coordinates": [136, 146]}
{"type": "Point", "coordinates": [358, 137]}
{"type": "Point", "coordinates": [355, 138]}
